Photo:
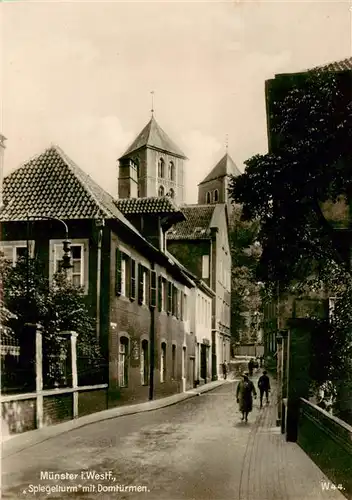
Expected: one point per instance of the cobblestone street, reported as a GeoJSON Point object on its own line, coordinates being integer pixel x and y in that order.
{"type": "Point", "coordinates": [197, 449]}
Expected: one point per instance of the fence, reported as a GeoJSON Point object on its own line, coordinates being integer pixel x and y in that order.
{"type": "Point", "coordinates": [17, 361]}
{"type": "Point", "coordinates": [57, 395]}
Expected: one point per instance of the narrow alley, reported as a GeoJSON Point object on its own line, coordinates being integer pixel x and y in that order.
{"type": "Point", "coordinates": [196, 450]}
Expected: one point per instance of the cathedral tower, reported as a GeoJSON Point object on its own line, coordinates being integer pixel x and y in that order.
{"type": "Point", "coordinates": [152, 166]}
{"type": "Point", "coordinates": [214, 188]}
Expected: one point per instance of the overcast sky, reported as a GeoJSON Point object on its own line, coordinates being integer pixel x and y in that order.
{"type": "Point", "coordinates": [79, 74]}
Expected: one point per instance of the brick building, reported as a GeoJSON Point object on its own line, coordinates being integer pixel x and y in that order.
{"type": "Point", "coordinates": [138, 294]}
{"type": "Point", "coordinates": [201, 244]}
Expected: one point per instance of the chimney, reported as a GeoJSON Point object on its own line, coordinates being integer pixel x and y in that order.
{"type": "Point", "coordinates": [2, 153]}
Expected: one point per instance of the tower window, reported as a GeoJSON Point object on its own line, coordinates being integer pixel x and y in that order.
{"type": "Point", "coordinates": [172, 171]}
{"type": "Point", "coordinates": [161, 191]}
{"type": "Point", "coordinates": [216, 195]}
{"type": "Point", "coordinates": [161, 168]}
{"type": "Point", "coordinates": [208, 197]}
{"type": "Point", "coordinates": [172, 193]}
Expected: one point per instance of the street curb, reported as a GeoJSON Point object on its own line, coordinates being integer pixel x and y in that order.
{"type": "Point", "coordinates": [29, 439]}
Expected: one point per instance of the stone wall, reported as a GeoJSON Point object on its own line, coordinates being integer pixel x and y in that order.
{"type": "Point", "coordinates": [328, 442]}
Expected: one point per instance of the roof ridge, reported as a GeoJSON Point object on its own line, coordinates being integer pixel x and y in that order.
{"type": "Point", "coordinates": [75, 169]}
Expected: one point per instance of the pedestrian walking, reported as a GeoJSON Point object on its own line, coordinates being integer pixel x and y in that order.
{"type": "Point", "coordinates": [264, 388]}
{"type": "Point", "coordinates": [224, 370]}
{"type": "Point", "coordinates": [245, 390]}
{"type": "Point", "coordinates": [250, 367]}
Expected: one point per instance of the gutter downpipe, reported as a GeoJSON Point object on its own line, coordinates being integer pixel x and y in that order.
{"type": "Point", "coordinates": [99, 224]}
{"type": "Point", "coordinates": [152, 345]}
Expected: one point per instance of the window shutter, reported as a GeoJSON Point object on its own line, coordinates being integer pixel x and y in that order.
{"type": "Point", "coordinates": [177, 299]}
{"type": "Point", "coordinates": [147, 286]}
{"type": "Point", "coordinates": [181, 306]}
{"type": "Point", "coordinates": [160, 292]}
{"type": "Point", "coordinates": [173, 302]}
{"type": "Point", "coordinates": [140, 284]}
{"type": "Point", "coordinates": [152, 288]}
{"type": "Point", "coordinates": [118, 271]}
{"type": "Point", "coordinates": [169, 297]}
{"type": "Point", "coordinates": [133, 279]}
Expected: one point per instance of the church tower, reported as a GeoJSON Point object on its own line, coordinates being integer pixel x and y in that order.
{"type": "Point", "coordinates": [152, 166]}
{"type": "Point", "coordinates": [214, 188]}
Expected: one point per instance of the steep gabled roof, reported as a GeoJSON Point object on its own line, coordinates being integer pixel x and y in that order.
{"type": "Point", "coordinates": [197, 223]}
{"type": "Point", "coordinates": [153, 136]}
{"type": "Point", "coordinates": [52, 185]}
{"type": "Point", "coordinates": [158, 206]}
{"type": "Point", "coordinates": [226, 166]}
{"type": "Point", "coordinates": [344, 65]}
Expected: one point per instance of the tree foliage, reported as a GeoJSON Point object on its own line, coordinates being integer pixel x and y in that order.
{"type": "Point", "coordinates": [245, 296]}
{"type": "Point", "coordinates": [58, 307]}
{"type": "Point", "coordinates": [310, 162]}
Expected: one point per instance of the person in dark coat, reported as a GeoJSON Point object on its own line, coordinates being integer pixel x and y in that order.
{"type": "Point", "coordinates": [245, 389]}
{"type": "Point", "coordinates": [224, 370]}
{"type": "Point", "coordinates": [250, 367]}
{"type": "Point", "coordinates": [264, 387]}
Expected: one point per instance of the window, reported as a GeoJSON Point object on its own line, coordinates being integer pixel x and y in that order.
{"type": "Point", "coordinates": [163, 362]}
{"type": "Point", "coordinates": [145, 287]}
{"type": "Point", "coordinates": [171, 171]}
{"type": "Point", "coordinates": [205, 266]}
{"type": "Point", "coordinates": [122, 273]}
{"type": "Point", "coordinates": [161, 191]}
{"type": "Point", "coordinates": [123, 362]}
{"type": "Point", "coordinates": [143, 284]}
{"type": "Point", "coordinates": [172, 193]}
{"type": "Point", "coordinates": [136, 165]}
{"type": "Point", "coordinates": [144, 363]}
{"type": "Point", "coordinates": [15, 250]}
{"type": "Point", "coordinates": [161, 168]}
{"type": "Point", "coordinates": [153, 288]}
{"type": "Point", "coordinates": [216, 195]}
{"type": "Point", "coordinates": [78, 273]}
{"type": "Point", "coordinates": [208, 197]}
{"type": "Point", "coordinates": [173, 362]}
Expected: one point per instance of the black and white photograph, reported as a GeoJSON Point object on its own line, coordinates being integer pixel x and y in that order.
{"type": "Point", "coordinates": [176, 249]}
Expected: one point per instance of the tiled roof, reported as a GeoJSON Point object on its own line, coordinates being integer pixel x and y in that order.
{"type": "Point", "coordinates": [226, 166]}
{"type": "Point", "coordinates": [154, 136]}
{"type": "Point", "coordinates": [152, 205]}
{"type": "Point", "coordinates": [197, 223]}
{"type": "Point", "coordinates": [52, 185]}
{"type": "Point", "coordinates": [344, 65]}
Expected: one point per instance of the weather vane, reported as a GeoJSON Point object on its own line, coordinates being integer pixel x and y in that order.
{"type": "Point", "coordinates": [227, 142]}
{"type": "Point", "coordinates": [152, 93]}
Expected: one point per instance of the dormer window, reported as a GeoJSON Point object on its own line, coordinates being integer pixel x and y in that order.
{"type": "Point", "coordinates": [216, 195]}
{"type": "Point", "coordinates": [161, 191]}
{"type": "Point", "coordinates": [171, 171]}
{"type": "Point", "coordinates": [208, 197]}
{"type": "Point", "coordinates": [161, 168]}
